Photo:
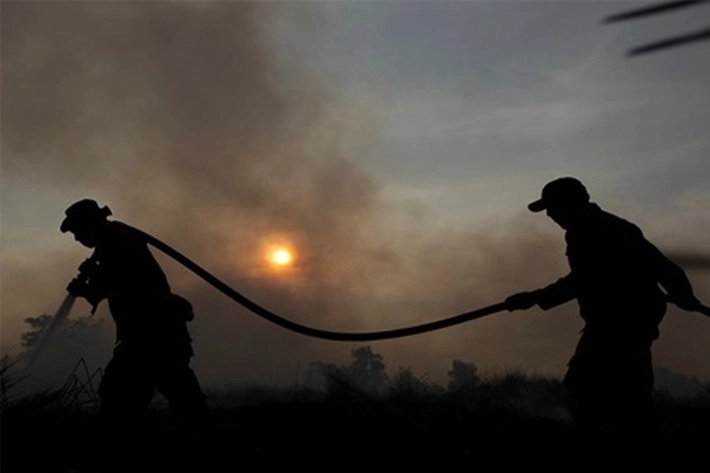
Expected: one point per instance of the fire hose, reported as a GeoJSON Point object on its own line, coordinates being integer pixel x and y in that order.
{"type": "Point", "coordinates": [326, 334]}
{"type": "Point", "coordinates": [310, 331]}
{"type": "Point", "coordinates": [265, 313]}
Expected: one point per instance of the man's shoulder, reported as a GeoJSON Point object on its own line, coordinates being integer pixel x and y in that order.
{"type": "Point", "coordinates": [601, 226]}
{"type": "Point", "coordinates": [118, 227]}
{"type": "Point", "coordinates": [120, 234]}
{"type": "Point", "coordinates": [615, 222]}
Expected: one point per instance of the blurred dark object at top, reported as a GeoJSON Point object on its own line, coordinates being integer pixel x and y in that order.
{"type": "Point", "coordinates": [686, 38]}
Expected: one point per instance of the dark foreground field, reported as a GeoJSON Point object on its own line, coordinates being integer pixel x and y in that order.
{"type": "Point", "coordinates": [508, 423]}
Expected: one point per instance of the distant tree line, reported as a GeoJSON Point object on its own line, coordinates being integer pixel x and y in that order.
{"type": "Point", "coordinates": [367, 372]}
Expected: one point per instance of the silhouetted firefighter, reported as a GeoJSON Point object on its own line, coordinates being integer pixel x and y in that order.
{"type": "Point", "coordinates": [153, 348]}
{"type": "Point", "coordinates": [615, 274]}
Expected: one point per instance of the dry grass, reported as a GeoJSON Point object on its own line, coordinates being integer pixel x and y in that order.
{"type": "Point", "coordinates": [508, 422]}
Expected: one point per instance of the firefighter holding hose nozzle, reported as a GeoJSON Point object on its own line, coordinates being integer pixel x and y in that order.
{"type": "Point", "coordinates": [153, 348]}
{"type": "Point", "coordinates": [616, 276]}
{"type": "Point", "coordinates": [81, 286]}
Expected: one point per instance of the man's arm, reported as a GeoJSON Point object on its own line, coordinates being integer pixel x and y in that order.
{"type": "Point", "coordinates": [672, 278]}
{"type": "Point", "coordinates": [668, 274]}
{"type": "Point", "coordinates": [88, 283]}
{"type": "Point", "coordinates": [557, 293]}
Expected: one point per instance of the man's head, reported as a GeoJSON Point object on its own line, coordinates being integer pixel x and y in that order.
{"type": "Point", "coordinates": [85, 219]}
{"type": "Point", "coordinates": [564, 199]}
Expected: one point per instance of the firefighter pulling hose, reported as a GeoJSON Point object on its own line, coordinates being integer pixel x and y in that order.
{"type": "Point", "coordinates": [615, 276]}
{"type": "Point", "coordinates": [153, 344]}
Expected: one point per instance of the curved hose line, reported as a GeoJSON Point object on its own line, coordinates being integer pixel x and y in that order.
{"type": "Point", "coordinates": [310, 331]}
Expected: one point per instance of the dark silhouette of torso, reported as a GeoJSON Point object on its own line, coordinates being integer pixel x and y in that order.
{"type": "Point", "coordinates": [153, 343]}
{"type": "Point", "coordinates": [616, 270]}
{"type": "Point", "coordinates": [135, 286]}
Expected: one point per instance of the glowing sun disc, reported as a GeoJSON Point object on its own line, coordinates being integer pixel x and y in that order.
{"type": "Point", "coordinates": [281, 257]}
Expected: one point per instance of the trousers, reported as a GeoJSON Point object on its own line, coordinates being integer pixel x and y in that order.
{"type": "Point", "coordinates": [136, 371]}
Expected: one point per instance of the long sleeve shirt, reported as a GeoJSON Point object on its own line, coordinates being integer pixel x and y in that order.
{"type": "Point", "coordinates": [615, 273]}
{"type": "Point", "coordinates": [127, 275]}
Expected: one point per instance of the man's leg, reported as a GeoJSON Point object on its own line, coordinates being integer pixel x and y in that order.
{"type": "Point", "coordinates": [635, 381]}
{"type": "Point", "coordinates": [179, 384]}
{"type": "Point", "coordinates": [582, 383]}
{"type": "Point", "coordinates": [125, 392]}
{"type": "Point", "coordinates": [126, 389]}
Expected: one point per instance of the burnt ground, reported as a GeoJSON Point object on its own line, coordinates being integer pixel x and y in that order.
{"type": "Point", "coordinates": [511, 423]}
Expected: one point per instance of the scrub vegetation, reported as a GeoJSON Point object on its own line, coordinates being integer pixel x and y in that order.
{"type": "Point", "coordinates": [355, 417]}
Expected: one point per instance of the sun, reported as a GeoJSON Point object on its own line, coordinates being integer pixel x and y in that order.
{"type": "Point", "coordinates": [281, 257]}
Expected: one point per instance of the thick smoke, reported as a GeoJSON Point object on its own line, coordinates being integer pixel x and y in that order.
{"type": "Point", "coordinates": [180, 117]}
{"type": "Point", "coordinates": [185, 121]}
{"type": "Point", "coordinates": [175, 115]}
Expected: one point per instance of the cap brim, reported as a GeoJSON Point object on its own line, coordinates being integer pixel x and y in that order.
{"type": "Point", "coordinates": [66, 225]}
{"type": "Point", "coordinates": [537, 206]}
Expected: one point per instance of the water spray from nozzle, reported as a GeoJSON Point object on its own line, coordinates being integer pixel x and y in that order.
{"type": "Point", "coordinates": [79, 286]}
{"type": "Point", "coordinates": [60, 315]}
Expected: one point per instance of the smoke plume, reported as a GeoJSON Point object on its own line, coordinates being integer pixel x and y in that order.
{"type": "Point", "coordinates": [188, 121]}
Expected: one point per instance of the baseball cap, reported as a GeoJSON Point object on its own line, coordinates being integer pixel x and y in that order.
{"type": "Point", "coordinates": [564, 190]}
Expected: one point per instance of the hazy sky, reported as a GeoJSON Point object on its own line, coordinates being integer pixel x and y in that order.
{"type": "Point", "coordinates": [392, 145]}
